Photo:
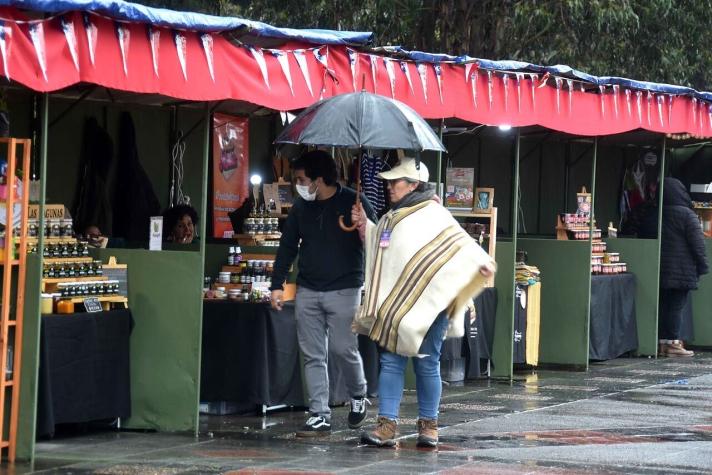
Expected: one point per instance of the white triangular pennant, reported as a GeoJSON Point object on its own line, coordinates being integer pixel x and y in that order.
{"type": "Point", "coordinates": [533, 78]}
{"type": "Point", "coordinates": [639, 103]}
{"type": "Point", "coordinates": [323, 59]}
{"type": "Point", "coordinates": [558, 81]}
{"type": "Point", "coordinates": [473, 86]}
{"type": "Point", "coordinates": [468, 67]}
{"type": "Point", "coordinates": [702, 117]}
{"type": "Point", "coordinates": [520, 76]}
{"type": "Point", "coordinates": [602, 90]}
{"type": "Point", "coordinates": [283, 61]}
{"type": "Point", "coordinates": [570, 85]}
{"type": "Point", "coordinates": [374, 69]}
{"type": "Point", "coordinates": [302, 62]}
{"type": "Point", "coordinates": [661, 99]}
{"type": "Point", "coordinates": [439, 77]}
{"type": "Point", "coordinates": [628, 101]}
{"type": "Point", "coordinates": [5, 36]}
{"type": "Point", "coordinates": [38, 40]}
{"type": "Point", "coordinates": [181, 43]}
{"type": "Point", "coordinates": [505, 85]}
{"type": "Point", "coordinates": [154, 39]}
{"type": "Point", "coordinates": [616, 89]}
{"type": "Point", "coordinates": [709, 114]}
{"type": "Point", "coordinates": [694, 111]}
{"type": "Point", "coordinates": [423, 73]}
{"type": "Point", "coordinates": [353, 62]}
{"type": "Point", "coordinates": [650, 103]}
{"type": "Point", "coordinates": [670, 98]}
{"type": "Point", "coordinates": [390, 70]}
{"type": "Point", "coordinates": [406, 70]}
{"type": "Point", "coordinates": [92, 36]}
{"type": "Point", "coordinates": [259, 56]}
{"type": "Point", "coordinates": [71, 37]}
{"type": "Point", "coordinates": [208, 48]}
{"type": "Point", "coordinates": [124, 36]}
{"type": "Point", "coordinates": [489, 88]}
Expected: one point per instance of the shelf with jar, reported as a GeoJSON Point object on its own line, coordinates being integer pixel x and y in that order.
{"type": "Point", "coordinates": [245, 277]}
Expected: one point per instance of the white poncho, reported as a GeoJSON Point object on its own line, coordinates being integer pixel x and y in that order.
{"type": "Point", "coordinates": [431, 264]}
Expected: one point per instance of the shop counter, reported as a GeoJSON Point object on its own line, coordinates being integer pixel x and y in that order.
{"type": "Point", "coordinates": [84, 368]}
{"type": "Point", "coordinates": [613, 325]}
{"type": "Point", "coordinates": [250, 354]}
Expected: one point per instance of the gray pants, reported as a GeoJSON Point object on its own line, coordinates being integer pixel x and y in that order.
{"type": "Point", "coordinates": [324, 331]}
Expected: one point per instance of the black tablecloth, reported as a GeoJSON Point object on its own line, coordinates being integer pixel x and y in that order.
{"type": "Point", "coordinates": [250, 354]}
{"type": "Point", "coordinates": [613, 324]}
{"type": "Point", "coordinates": [84, 368]}
{"type": "Point", "coordinates": [477, 343]}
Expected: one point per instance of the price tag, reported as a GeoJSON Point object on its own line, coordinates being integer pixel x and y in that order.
{"type": "Point", "coordinates": [92, 305]}
{"type": "Point", "coordinates": [385, 238]}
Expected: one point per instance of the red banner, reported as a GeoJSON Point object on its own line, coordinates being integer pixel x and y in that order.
{"type": "Point", "coordinates": [230, 170]}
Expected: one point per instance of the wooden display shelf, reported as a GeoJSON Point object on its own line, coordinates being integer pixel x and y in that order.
{"type": "Point", "coordinates": [52, 240]}
{"type": "Point", "coordinates": [112, 299]}
{"type": "Point", "coordinates": [13, 262]}
{"type": "Point", "coordinates": [472, 214]}
{"type": "Point", "coordinates": [255, 239]}
{"type": "Point", "coordinates": [491, 237]}
{"type": "Point", "coordinates": [63, 260]}
{"type": "Point", "coordinates": [58, 280]}
{"type": "Point", "coordinates": [230, 286]}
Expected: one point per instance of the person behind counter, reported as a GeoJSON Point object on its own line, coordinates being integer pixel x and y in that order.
{"type": "Point", "coordinates": [329, 282]}
{"type": "Point", "coordinates": [179, 222]}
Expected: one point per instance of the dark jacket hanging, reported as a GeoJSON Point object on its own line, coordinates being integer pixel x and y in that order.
{"type": "Point", "coordinates": [134, 200]}
{"type": "Point", "coordinates": [91, 201]}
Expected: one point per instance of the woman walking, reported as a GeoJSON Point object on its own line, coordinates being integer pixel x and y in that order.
{"type": "Point", "coordinates": [422, 270]}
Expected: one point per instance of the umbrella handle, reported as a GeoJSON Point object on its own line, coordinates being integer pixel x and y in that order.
{"type": "Point", "coordinates": [342, 224]}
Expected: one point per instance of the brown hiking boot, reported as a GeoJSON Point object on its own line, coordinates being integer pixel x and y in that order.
{"type": "Point", "coordinates": [384, 435]}
{"type": "Point", "coordinates": [676, 350]}
{"type": "Point", "coordinates": [427, 433]}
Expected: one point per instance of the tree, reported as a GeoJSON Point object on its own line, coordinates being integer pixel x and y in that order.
{"type": "Point", "coordinates": [653, 40]}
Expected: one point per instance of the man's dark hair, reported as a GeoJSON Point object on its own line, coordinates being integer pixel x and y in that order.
{"type": "Point", "coordinates": [171, 216]}
{"type": "Point", "coordinates": [315, 164]}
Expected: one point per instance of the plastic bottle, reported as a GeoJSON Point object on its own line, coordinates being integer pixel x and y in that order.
{"type": "Point", "coordinates": [231, 256]}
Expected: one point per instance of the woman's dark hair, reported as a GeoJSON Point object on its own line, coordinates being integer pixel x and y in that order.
{"type": "Point", "coordinates": [171, 216]}
{"type": "Point", "coordinates": [422, 186]}
{"type": "Point", "coordinates": [315, 164]}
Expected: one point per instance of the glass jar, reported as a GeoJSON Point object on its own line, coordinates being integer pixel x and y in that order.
{"type": "Point", "coordinates": [67, 230]}
{"type": "Point", "coordinates": [32, 228]}
{"type": "Point", "coordinates": [55, 228]}
{"type": "Point", "coordinates": [98, 268]}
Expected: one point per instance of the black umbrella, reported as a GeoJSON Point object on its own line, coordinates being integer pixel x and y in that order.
{"type": "Point", "coordinates": [361, 120]}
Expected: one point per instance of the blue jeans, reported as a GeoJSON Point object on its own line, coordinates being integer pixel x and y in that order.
{"type": "Point", "coordinates": [427, 375]}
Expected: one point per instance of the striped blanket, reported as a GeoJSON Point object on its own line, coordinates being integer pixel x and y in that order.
{"type": "Point", "coordinates": [430, 265]}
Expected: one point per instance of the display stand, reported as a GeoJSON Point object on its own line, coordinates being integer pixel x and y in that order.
{"type": "Point", "coordinates": [13, 296]}
{"type": "Point", "coordinates": [491, 218]}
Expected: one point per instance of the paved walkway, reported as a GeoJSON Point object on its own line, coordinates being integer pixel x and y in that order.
{"type": "Point", "coordinates": [623, 416]}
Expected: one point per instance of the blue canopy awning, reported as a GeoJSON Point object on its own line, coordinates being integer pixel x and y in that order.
{"type": "Point", "coordinates": [134, 12]}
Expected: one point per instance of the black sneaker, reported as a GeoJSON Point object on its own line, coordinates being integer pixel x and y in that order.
{"type": "Point", "coordinates": [358, 412]}
{"type": "Point", "coordinates": [315, 426]}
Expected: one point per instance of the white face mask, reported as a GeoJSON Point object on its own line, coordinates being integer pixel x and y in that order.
{"type": "Point", "coordinates": [303, 191]}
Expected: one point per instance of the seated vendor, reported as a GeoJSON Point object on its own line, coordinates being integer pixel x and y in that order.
{"type": "Point", "coordinates": [179, 224]}
{"type": "Point", "coordinates": [94, 237]}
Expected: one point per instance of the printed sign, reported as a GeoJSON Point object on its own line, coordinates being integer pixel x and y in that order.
{"type": "Point", "coordinates": [230, 170]}
{"type": "Point", "coordinates": [155, 240]}
{"type": "Point", "coordinates": [92, 305]}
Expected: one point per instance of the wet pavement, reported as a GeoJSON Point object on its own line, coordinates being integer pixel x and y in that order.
{"type": "Point", "coordinates": [622, 416]}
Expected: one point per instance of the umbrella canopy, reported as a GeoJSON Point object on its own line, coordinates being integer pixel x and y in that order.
{"type": "Point", "coordinates": [361, 120]}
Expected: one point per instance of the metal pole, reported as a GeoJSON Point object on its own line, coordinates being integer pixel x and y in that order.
{"type": "Point", "coordinates": [440, 158]}
{"type": "Point", "coordinates": [661, 190]}
{"type": "Point", "coordinates": [203, 238]}
{"type": "Point", "coordinates": [515, 192]}
{"type": "Point", "coordinates": [593, 189]}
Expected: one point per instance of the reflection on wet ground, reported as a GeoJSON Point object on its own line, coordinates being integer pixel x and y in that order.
{"type": "Point", "coordinates": [623, 416]}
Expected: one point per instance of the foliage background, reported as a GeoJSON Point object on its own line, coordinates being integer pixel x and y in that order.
{"type": "Point", "coordinates": [664, 41]}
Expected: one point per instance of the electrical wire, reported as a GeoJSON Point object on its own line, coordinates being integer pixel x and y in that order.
{"type": "Point", "coordinates": [177, 196]}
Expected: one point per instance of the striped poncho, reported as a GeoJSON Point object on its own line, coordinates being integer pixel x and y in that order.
{"type": "Point", "coordinates": [431, 264]}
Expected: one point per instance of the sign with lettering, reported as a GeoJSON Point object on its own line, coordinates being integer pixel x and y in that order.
{"type": "Point", "coordinates": [51, 212]}
{"type": "Point", "coordinates": [230, 170]}
{"type": "Point", "coordinates": [92, 305]}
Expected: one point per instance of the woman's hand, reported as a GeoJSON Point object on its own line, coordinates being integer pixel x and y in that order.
{"type": "Point", "coordinates": [487, 270]}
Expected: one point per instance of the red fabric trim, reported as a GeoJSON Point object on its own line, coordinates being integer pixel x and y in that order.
{"type": "Point", "coordinates": [238, 77]}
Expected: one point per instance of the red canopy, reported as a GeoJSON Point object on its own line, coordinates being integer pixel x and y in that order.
{"type": "Point", "coordinates": [147, 59]}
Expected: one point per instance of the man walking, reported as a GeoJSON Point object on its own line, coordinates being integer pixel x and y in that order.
{"type": "Point", "coordinates": [328, 286]}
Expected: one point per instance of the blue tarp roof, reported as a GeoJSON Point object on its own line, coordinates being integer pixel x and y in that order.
{"type": "Point", "coordinates": [559, 70]}
{"type": "Point", "coordinates": [128, 11]}
{"type": "Point", "coordinates": [122, 10]}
